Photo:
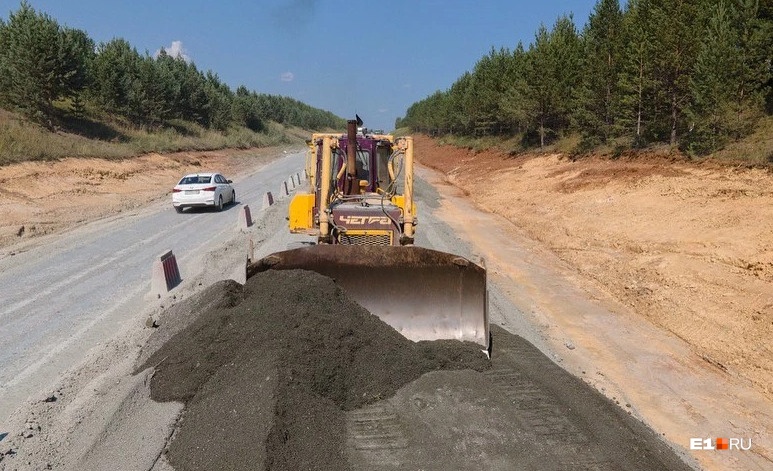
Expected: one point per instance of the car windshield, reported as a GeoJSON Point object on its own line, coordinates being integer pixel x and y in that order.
{"type": "Point", "coordinates": [194, 179]}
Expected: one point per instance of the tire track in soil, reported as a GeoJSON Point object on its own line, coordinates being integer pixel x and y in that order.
{"type": "Point", "coordinates": [525, 412]}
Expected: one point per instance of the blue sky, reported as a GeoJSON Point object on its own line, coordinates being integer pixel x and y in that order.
{"type": "Point", "coordinates": [397, 53]}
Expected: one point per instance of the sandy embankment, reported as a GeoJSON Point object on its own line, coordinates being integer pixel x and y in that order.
{"type": "Point", "coordinates": [687, 246]}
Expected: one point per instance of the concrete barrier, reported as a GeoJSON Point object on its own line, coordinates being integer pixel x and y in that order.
{"type": "Point", "coordinates": [268, 200]}
{"type": "Point", "coordinates": [298, 177]}
{"type": "Point", "coordinates": [305, 174]}
{"type": "Point", "coordinates": [291, 183]}
{"type": "Point", "coordinates": [283, 190]}
{"type": "Point", "coordinates": [245, 218]}
{"type": "Point", "coordinates": [165, 273]}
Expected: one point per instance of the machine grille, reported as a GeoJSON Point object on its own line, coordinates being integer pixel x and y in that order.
{"type": "Point", "coordinates": [365, 239]}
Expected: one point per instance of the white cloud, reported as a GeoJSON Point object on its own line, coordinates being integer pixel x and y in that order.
{"type": "Point", "coordinates": [287, 77]}
{"type": "Point", "coordinates": [383, 110]}
{"type": "Point", "coordinates": [176, 50]}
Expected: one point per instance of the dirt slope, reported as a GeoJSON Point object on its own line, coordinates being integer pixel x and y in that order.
{"type": "Point", "coordinates": [688, 246]}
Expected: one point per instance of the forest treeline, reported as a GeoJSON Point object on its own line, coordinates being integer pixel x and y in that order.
{"type": "Point", "coordinates": [690, 73]}
{"type": "Point", "coordinates": [47, 70]}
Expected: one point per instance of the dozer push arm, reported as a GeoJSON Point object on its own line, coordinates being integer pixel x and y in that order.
{"type": "Point", "coordinates": [406, 145]}
{"type": "Point", "coordinates": [352, 183]}
{"type": "Point", "coordinates": [324, 194]}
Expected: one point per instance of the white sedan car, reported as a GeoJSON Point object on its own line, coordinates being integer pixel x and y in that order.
{"type": "Point", "coordinates": [203, 190]}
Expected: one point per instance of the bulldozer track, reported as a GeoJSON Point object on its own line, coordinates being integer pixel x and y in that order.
{"type": "Point", "coordinates": [377, 436]}
{"type": "Point", "coordinates": [541, 415]}
{"type": "Point", "coordinates": [538, 410]}
{"type": "Point", "coordinates": [376, 427]}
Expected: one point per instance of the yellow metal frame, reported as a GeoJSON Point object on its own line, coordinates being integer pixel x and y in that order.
{"type": "Point", "coordinates": [302, 212]}
{"type": "Point", "coordinates": [399, 201]}
{"type": "Point", "coordinates": [302, 205]}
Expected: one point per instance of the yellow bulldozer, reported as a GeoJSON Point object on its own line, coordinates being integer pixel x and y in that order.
{"type": "Point", "coordinates": [359, 205]}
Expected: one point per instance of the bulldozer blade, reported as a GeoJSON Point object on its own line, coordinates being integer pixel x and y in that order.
{"type": "Point", "coordinates": [424, 294]}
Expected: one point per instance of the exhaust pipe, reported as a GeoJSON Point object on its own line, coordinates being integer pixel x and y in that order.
{"type": "Point", "coordinates": [352, 185]}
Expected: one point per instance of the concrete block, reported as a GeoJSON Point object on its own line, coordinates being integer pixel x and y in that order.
{"type": "Point", "coordinates": [244, 221]}
{"type": "Point", "coordinates": [268, 200]}
{"type": "Point", "coordinates": [165, 274]}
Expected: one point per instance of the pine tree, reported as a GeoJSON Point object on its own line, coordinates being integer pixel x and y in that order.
{"type": "Point", "coordinates": [650, 73]}
{"type": "Point", "coordinates": [728, 80]}
{"type": "Point", "coordinates": [541, 92]}
{"type": "Point", "coordinates": [40, 62]}
{"type": "Point", "coordinates": [459, 95]}
{"type": "Point", "coordinates": [714, 82]}
{"type": "Point", "coordinates": [566, 54]}
{"type": "Point", "coordinates": [676, 34]}
{"type": "Point", "coordinates": [489, 81]}
{"type": "Point", "coordinates": [551, 73]}
{"type": "Point", "coordinates": [246, 109]}
{"type": "Point", "coordinates": [115, 69]}
{"type": "Point", "coordinates": [754, 24]}
{"type": "Point", "coordinates": [764, 51]}
{"type": "Point", "coordinates": [597, 96]}
{"type": "Point", "coordinates": [219, 99]}
{"type": "Point", "coordinates": [514, 101]}
{"type": "Point", "coordinates": [147, 105]}
{"type": "Point", "coordinates": [76, 55]}
{"type": "Point", "coordinates": [635, 113]}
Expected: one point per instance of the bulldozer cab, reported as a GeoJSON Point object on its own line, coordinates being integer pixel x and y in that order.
{"type": "Point", "coordinates": [360, 206]}
{"type": "Point", "coordinates": [372, 157]}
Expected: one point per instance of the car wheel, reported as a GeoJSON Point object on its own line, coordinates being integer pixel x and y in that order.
{"type": "Point", "coordinates": [179, 209]}
{"type": "Point", "coordinates": [233, 197]}
{"type": "Point", "coordinates": [220, 203]}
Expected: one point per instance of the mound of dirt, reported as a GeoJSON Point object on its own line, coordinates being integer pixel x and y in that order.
{"type": "Point", "coordinates": [266, 381]}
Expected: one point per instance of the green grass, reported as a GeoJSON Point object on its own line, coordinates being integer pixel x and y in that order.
{"type": "Point", "coordinates": [21, 140]}
{"type": "Point", "coordinates": [755, 149]}
{"type": "Point", "coordinates": [401, 132]}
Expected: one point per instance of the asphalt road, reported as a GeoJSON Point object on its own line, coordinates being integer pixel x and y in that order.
{"type": "Point", "coordinates": [73, 291]}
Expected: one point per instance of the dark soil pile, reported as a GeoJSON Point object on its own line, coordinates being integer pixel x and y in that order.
{"type": "Point", "coordinates": [266, 381]}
